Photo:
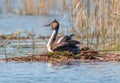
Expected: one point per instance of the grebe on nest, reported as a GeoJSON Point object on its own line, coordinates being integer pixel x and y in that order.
{"type": "Point", "coordinates": [64, 43]}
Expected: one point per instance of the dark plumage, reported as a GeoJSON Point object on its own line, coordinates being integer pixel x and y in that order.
{"type": "Point", "coordinates": [64, 43]}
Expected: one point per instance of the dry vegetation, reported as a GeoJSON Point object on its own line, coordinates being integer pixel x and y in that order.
{"type": "Point", "coordinates": [86, 55]}
{"type": "Point", "coordinates": [96, 22]}
{"type": "Point", "coordinates": [30, 7]}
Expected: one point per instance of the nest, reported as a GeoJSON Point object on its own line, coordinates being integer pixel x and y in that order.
{"type": "Point", "coordinates": [85, 54]}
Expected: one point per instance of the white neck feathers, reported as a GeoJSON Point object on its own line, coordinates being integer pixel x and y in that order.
{"type": "Point", "coordinates": [50, 41]}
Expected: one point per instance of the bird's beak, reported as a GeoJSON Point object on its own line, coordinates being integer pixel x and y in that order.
{"type": "Point", "coordinates": [48, 24]}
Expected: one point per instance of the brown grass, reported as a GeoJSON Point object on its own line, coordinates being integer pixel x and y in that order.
{"type": "Point", "coordinates": [104, 19]}
{"type": "Point", "coordinates": [96, 22]}
{"type": "Point", "coordinates": [86, 54]}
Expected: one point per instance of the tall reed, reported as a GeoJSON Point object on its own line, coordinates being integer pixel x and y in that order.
{"type": "Point", "coordinates": [100, 18]}
{"type": "Point", "coordinates": [96, 22]}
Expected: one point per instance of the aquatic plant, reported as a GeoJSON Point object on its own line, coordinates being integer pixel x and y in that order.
{"type": "Point", "coordinates": [60, 55]}
{"type": "Point", "coordinates": [95, 22]}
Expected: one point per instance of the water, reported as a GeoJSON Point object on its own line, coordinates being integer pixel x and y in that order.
{"type": "Point", "coordinates": [105, 72]}
{"type": "Point", "coordinates": [10, 24]}
{"type": "Point", "coordinates": [23, 48]}
{"type": "Point", "coordinates": [39, 72]}
{"type": "Point", "coordinates": [27, 24]}
{"type": "Point", "coordinates": [24, 24]}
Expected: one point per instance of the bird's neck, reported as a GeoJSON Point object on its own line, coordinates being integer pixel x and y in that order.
{"type": "Point", "coordinates": [52, 39]}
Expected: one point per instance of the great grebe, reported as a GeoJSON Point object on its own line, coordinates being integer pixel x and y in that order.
{"type": "Point", "coordinates": [63, 43]}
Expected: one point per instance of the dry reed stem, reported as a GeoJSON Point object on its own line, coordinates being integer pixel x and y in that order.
{"type": "Point", "coordinates": [94, 21]}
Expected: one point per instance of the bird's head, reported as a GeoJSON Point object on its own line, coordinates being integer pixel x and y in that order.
{"type": "Point", "coordinates": [54, 24]}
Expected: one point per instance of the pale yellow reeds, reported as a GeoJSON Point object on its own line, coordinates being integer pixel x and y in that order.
{"type": "Point", "coordinates": [96, 22]}
{"type": "Point", "coordinates": [105, 22]}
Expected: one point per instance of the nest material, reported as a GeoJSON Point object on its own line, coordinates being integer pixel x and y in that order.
{"type": "Point", "coordinates": [85, 54]}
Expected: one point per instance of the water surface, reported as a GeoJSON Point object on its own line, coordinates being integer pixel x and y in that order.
{"type": "Point", "coordinates": [27, 24]}
{"type": "Point", "coordinates": [39, 72]}
{"type": "Point", "coordinates": [104, 72]}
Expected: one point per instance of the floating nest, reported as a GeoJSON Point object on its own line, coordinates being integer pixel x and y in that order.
{"type": "Point", "coordinates": [86, 54]}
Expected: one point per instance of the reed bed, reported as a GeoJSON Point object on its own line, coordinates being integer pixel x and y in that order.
{"type": "Point", "coordinates": [96, 23]}
{"type": "Point", "coordinates": [29, 7]}
{"type": "Point", "coordinates": [86, 53]}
